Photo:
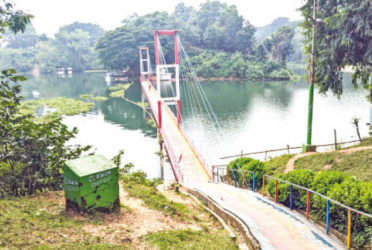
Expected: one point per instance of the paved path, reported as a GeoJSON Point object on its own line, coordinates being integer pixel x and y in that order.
{"type": "Point", "coordinates": [273, 225]}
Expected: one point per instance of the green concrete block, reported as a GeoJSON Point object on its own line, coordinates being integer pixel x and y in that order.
{"type": "Point", "coordinates": [91, 183]}
{"type": "Point", "coordinates": [308, 148]}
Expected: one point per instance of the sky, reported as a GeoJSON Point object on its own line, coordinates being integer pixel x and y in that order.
{"type": "Point", "coordinates": [52, 14]}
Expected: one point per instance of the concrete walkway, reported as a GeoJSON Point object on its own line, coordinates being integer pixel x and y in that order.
{"type": "Point", "coordinates": [273, 225]}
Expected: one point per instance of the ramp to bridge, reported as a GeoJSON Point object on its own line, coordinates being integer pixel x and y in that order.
{"type": "Point", "coordinates": [274, 226]}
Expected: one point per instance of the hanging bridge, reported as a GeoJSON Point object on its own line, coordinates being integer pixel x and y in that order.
{"type": "Point", "coordinates": [173, 89]}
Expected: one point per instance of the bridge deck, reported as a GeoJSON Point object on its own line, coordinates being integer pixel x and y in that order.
{"type": "Point", "coordinates": [185, 162]}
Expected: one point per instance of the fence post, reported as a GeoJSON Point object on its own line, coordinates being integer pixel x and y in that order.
{"type": "Point", "coordinates": [254, 184]}
{"type": "Point", "coordinates": [263, 185]}
{"type": "Point", "coordinates": [291, 197]}
{"type": "Point", "coordinates": [213, 173]}
{"type": "Point", "coordinates": [349, 229]}
{"type": "Point", "coordinates": [243, 182]}
{"type": "Point", "coordinates": [327, 218]}
{"type": "Point", "coordinates": [276, 191]}
{"type": "Point", "coordinates": [307, 204]}
{"type": "Point", "coordinates": [228, 176]}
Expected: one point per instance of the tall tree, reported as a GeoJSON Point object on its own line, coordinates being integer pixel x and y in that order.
{"type": "Point", "coordinates": [343, 38]}
{"type": "Point", "coordinates": [281, 41]}
{"type": "Point", "coordinates": [94, 30]}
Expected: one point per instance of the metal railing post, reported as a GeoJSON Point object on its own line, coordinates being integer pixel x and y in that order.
{"type": "Point", "coordinates": [254, 183]}
{"type": "Point", "coordinates": [291, 197]}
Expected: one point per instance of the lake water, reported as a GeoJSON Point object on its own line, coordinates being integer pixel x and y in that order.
{"type": "Point", "coordinates": [254, 116]}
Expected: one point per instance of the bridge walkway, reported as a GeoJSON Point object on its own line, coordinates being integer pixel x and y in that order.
{"type": "Point", "coordinates": [186, 165]}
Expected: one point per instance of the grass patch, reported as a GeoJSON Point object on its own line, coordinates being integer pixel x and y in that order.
{"type": "Point", "coordinates": [60, 106]}
{"type": "Point", "coordinates": [277, 164]}
{"type": "Point", "coordinates": [40, 221]}
{"type": "Point", "coordinates": [187, 239]}
{"type": "Point", "coordinates": [137, 186]}
{"type": "Point", "coordinates": [357, 164]}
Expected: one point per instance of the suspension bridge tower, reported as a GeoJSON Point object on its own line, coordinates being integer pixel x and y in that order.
{"type": "Point", "coordinates": [167, 75]}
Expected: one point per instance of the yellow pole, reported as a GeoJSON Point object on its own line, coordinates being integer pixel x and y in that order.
{"type": "Point", "coordinates": [263, 185]}
{"type": "Point", "coordinates": [348, 229]}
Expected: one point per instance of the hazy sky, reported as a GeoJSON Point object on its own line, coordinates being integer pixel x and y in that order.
{"type": "Point", "coordinates": [52, 14]}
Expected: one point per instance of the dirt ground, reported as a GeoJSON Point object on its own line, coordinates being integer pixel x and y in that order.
{"type": "Point", "coordinates": [131, 224]}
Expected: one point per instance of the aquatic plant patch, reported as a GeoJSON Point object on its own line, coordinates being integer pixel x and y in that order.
{"type": "Point", "coordinates": [56, 107]}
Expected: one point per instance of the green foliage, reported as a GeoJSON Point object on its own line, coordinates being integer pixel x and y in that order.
{"type": "Point", "coordinates": [280, 43]}
{"type": "Point", "coordinates": [22, 60]}
{"type": "Point", "coordinates": [277, 164]}
{"type": "Point", "coordinates": [219, 41]}
{"type": "Point", "coordinates": [32, 154]}
{"type": "Point", "coordinates": [86, 96]}
{"type": "Point", "coordinates": [100, 98]}
{"type": "Point", "coordinates": [211, 63]}
{"type": "Point", "coordinates": [247, 164]}
{"type": "Point", "coordinates": [137, 185]}
{"type": "Point", "coordinates": [187, 239]}
{"type": "Point", "coordinates": [72, 47]}
{"type": "Point", "coordinates": [59, 106]}
{"type": "Point", "coordinates": [14, 20]}
{"type": "Point", "coordinates": [342, 39]}
{"type": "Point", "coordinates": [337, 186]}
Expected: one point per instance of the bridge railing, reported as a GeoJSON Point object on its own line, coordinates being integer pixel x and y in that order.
{"type": "Point", "coordinates": [193, 146]}
{"type": "Point", "coordinates": [173, 158]}
{"type": "Point", "coordinates": [239, 179]}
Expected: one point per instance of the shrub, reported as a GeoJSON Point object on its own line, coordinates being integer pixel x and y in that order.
{"type": "Point", "coordinates": [247, 164]}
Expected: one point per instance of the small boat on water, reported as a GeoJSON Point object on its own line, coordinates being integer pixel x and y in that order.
{"type": "Point", "coordinates": [116, 77]}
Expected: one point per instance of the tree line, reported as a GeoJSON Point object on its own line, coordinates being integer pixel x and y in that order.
{"type": "Point", "coordinates": [72, 46]}
{"type": "Point", "coordinates": [219, 41]}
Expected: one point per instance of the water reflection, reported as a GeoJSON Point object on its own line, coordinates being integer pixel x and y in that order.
{"type": "Point", "coordinates": [254, 116]}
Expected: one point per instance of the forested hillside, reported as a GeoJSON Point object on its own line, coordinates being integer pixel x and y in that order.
{"type": "Point", "coordinates": [265, 31]}
{"type": "Point", "coordinates": [220, 42]}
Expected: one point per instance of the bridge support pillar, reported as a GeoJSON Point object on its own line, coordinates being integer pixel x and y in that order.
{"type": "Point", "coordinates": [159, 114]}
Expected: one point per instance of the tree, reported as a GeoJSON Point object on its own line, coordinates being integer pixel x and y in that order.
{"type": "Point", "coordinates": [95, 31]}
{"type": "Point", "coordinates": [118, 49]}
{"type": "Point", "coordinates": [32, 154]}
{"type": "Point", "coordinates": [74, 48]}
{"type": "Point", "coordinates": [281, 41]}
{"type": "Point", "coordinates": [11, 19]}
{"type": "Point", "coordinates": [24, 40]}
{"type": "Point", "coordinates": [343, 38]}
{"type": "Point", "coordinates": [21, 60]}
{"type": "Point", "coordinates": [47, 57]}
